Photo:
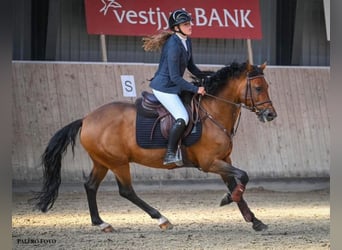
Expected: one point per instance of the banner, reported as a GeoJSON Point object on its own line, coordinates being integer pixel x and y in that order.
{"type": "Point", "coordinates": [211, 19]}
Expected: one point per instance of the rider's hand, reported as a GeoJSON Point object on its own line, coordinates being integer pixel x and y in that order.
{"type": "Point", "coordinates": [201, 91]}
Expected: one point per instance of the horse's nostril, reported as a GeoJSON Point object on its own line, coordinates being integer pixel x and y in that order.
{"type": "Point", "coordinates": [271, 116]}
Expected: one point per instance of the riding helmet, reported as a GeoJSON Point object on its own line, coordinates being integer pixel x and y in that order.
{"type": "Point", "coordinates": [177, 17]}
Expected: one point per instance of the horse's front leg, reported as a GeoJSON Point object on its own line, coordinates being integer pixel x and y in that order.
{"type": "Point", "coordinates": [247, 214]}
{"type": "Point", "coordinates": [236, 181]}
{"type": "Point", "coordinates": [229, 172]}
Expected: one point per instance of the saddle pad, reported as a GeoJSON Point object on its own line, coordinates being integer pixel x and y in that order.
{"type": "Point", "coordinates": [143, 133]}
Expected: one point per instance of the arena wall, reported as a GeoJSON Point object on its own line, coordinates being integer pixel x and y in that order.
{"type": "Point", "coordinates": [49, 95]}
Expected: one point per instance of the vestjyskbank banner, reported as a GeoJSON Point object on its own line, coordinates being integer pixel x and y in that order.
{"type": "Point", "coordinates": [211, 19]}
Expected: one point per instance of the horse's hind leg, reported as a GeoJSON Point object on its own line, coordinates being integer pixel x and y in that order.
{"type": "Point", "coordinates": [91, 186]}
{"type": "Point", "coordinates": [247, 214]}
{"type": "Point", "coordinates": [126, 190]}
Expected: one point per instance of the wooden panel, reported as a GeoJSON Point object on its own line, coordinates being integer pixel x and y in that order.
{"type": "Point", "coordinates": [48, 96]}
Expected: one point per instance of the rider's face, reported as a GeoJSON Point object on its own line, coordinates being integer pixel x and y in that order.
{"type": "Point", "coordinates": [186, 28]}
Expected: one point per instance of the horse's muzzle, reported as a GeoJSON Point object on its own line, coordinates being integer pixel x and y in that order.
{"type": "Point", "coordinates": [267, 115]}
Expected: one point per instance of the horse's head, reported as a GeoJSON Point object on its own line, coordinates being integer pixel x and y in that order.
{"type": "Point", "coordinates": [240, 84]}
{"type": "Point", "coordinates": [254, 95]}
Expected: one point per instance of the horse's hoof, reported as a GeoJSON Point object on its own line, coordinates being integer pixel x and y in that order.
{"type": "Point", "coordinates": [226, 199]}
{"type": "Point", "coordinates": [166, 225]}
{"type": "Point", "coordinates": [106, 228]}
{"type": "Point", "coordinates": [258, 225]}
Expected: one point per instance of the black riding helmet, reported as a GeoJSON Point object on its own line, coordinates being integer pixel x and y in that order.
{"type": "Point", "coordinates": [177, 17]}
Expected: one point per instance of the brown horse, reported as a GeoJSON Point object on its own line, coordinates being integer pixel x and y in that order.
{"type": "Point", "coordinates": [108, 135]}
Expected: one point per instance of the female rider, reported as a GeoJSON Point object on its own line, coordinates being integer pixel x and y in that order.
{"type": "Point", "coordinates": [168, 81]}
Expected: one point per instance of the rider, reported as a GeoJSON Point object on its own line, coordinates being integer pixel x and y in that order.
{"type": "Point", "coordinates": [168, 81]}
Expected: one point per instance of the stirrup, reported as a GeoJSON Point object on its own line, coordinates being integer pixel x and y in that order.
{"type": "Point", "coordinates": [169, 159]}
{"type": "Point", "coordinates": [175, 158]}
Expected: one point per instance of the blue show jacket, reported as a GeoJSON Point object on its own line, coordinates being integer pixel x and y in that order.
{"type": "Point", "coordinates": [174, 60]}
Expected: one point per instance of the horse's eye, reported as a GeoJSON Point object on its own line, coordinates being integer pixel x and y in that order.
{"type": "Point", "coordinates": [258, 89]}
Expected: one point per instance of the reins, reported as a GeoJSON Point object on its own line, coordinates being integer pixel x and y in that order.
{"type": "Point", "coordinates": [248, 91]}
{"type": "Point", "coordinates": [196, 106]}
{"type": "Point", "coordinates": [224, 100]}
{"type": "Point", "coordinates": [253, 108]}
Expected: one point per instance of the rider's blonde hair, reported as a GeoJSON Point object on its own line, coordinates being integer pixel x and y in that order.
{"type": "Point", "coordinates": [155, 42]}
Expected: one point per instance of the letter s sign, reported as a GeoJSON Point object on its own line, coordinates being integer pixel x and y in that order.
{"type": "Point", "coordinates": [128, 86]}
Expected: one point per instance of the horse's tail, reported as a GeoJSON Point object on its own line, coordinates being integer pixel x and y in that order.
{"type": "Point", "coordinates": [51, 162]}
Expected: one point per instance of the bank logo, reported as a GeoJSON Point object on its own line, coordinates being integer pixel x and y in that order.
{"type": "Point", "coordinates": [109, 4]}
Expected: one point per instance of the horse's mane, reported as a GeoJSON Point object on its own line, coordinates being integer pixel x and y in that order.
{"type": "Point", "coordinates": [215, 81]}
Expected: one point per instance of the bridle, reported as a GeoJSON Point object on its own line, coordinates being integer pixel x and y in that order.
{"type": "Point", "coordinates": [254, 108]}
{"type": "Point", "coordinates": [248, 95]}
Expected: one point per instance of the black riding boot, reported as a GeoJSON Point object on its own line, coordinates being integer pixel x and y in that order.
{"type": "Point", "coordinates": [175, 133]}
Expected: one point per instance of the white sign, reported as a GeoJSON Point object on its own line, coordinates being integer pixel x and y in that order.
{"type": "Point", "coordinates": [128, 86]}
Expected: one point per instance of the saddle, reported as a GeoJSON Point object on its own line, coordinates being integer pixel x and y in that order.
{"type": "Point", "coordinates": [149, 106]}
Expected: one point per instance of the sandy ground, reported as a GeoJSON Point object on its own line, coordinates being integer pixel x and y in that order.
{"type": "Point", "coordinates": [296, 220]}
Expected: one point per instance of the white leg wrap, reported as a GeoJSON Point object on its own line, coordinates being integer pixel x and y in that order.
{"type": "Point", "coordinates": [104, 225]}
{"type": "Point", "coordinates": [162, 220]}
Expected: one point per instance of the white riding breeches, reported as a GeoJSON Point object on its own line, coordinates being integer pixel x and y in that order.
{"type": "Point", "coordinates": [173, 104]}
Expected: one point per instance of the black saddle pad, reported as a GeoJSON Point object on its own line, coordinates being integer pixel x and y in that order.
{"type": "Point", "coordinates": [143, 133]}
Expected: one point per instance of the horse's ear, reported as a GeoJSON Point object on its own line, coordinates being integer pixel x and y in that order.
{"type": "Point", "coordinates": [263, 66]}
{"type": "Point", "coordinates": [249, 66]}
